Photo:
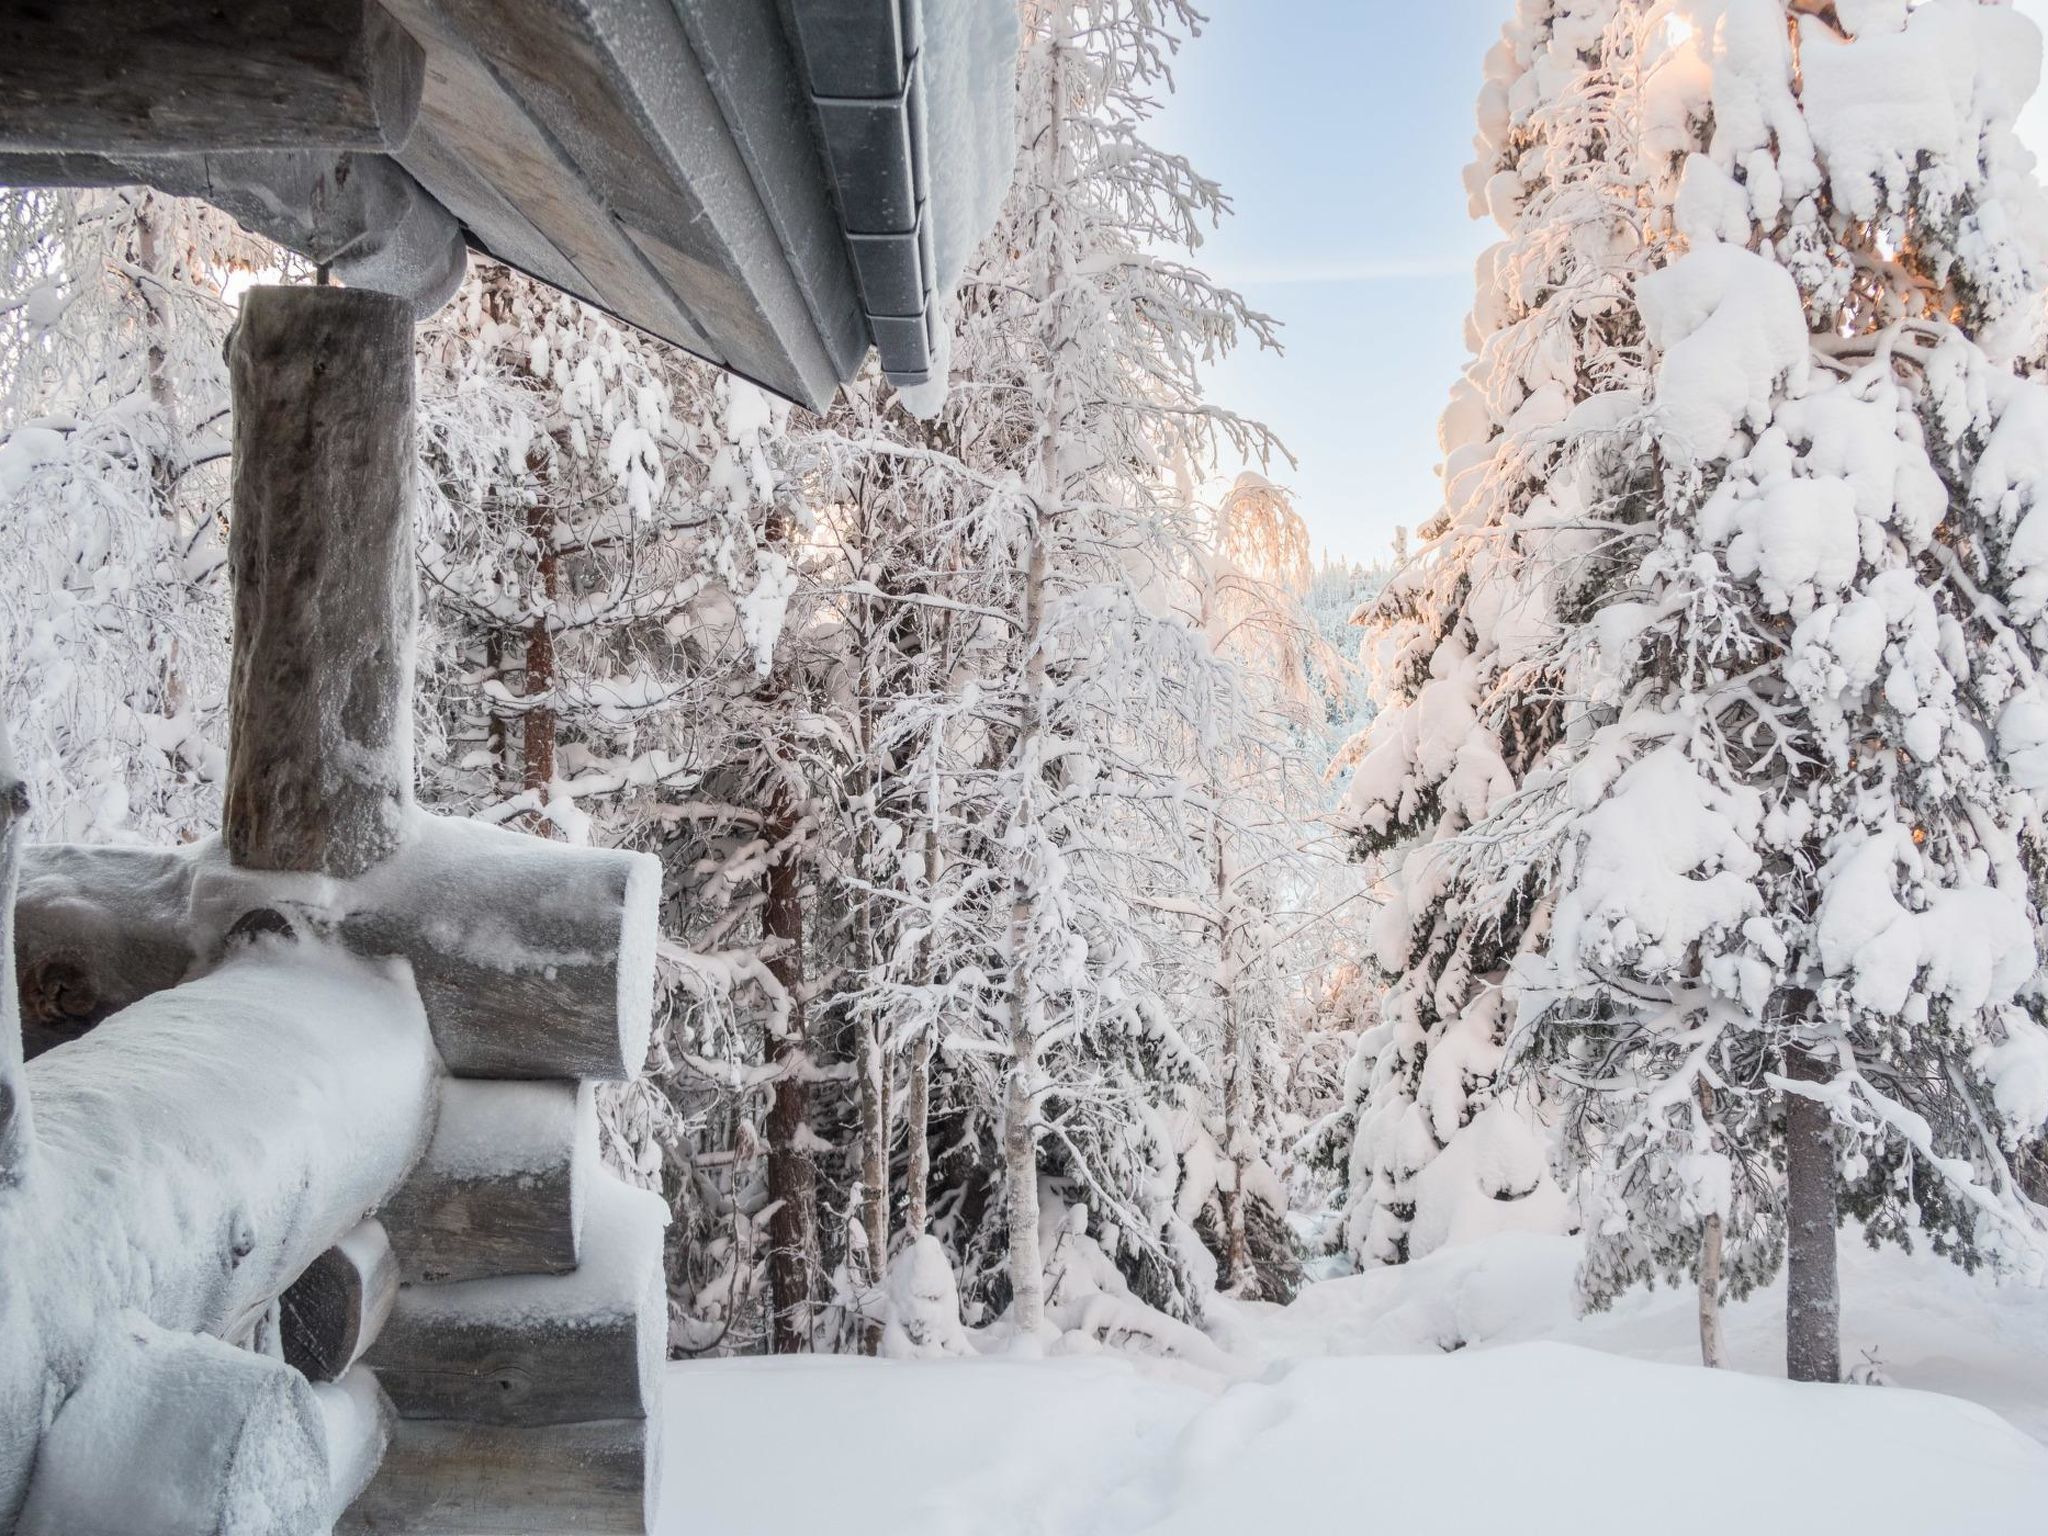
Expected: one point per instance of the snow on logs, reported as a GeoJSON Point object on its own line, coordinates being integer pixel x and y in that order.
{"type": "Point", "coordinates": [193, 1156]}
{"type": "Point", "coordinates": [251, 1036]}
{"type": "Point", "coordinates": [533, 960]}
{"type": "Point", "coordinates": [500, 1191]}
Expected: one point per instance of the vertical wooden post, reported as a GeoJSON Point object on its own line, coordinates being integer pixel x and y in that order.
{"type": "Point", "coordinates": [15, 1129]}
{"type": "Point", "coordinates": [320, 704]}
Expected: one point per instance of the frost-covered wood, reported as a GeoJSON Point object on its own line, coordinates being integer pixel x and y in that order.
{"type": "Point", "coordinates": [540, 1349]}
{"type": "Point", "coordinates": [171, 76]}
{"type": "Point", "coordinates": [532, 960]}
{"type": "Point", "coordinates": [333, 1311]}
{"type": "Point", "coordinates": [497, 1192]}
{"type": "Point", "coordinates": [446, 1478]}
{"type": "Point", "coordinates": [15, 1128]}
{"type": "Point", "coordinates": [320, 702]}
{"type": "Point", "coordinates": [95, 929]}
{"type": "Point", "coordinates": [360, 1423]}
{"type": "Point", "coordinates": [178, 1434]}
{"type": "Point", "coordinates": [195, 1153]}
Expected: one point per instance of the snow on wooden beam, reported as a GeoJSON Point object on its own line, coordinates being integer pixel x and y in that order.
{"type": "Point", "coordinates": [498, 1191]}
{"type": "Point", "coordinates": [196, 1152]}
{"type": "Point", "coordinates": [182, 76]}
{"type": "Point", "coordinates": [321, 554]}
{"type": "Point", "coordinates": [442, 1477]}
{"type": "Point", "coordinates": [95, 929]}
{"type": "Point", "coordinates": [360, 1422]}
{"type": "Point", "coordinates": [533, 960]}
{"type": "Point", "coordinates": [177, 1434]}
{"type": "Point", "coordinates": [541, 1349]}
{"type": "Point", "coordinates": [335, 1310]}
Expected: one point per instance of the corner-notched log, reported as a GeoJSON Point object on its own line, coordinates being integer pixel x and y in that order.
{"type": "Point", "coordinates": [533, 960]}
{"type": "Point", "coordinates": [95, 929]}
{"type": "Point", "coordinates": [320, 699]}
{"type": "Point", "coordinates": [184, 76]}
{"type": "Point", "coordinates": [499, 1191]}
{"type": "Point", "coordinates": [540, 1349]}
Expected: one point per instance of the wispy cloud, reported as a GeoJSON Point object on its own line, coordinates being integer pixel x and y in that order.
{"type": "Point", "coordinates": [1341, 270]}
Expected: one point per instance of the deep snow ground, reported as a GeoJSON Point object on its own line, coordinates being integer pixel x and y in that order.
{"type": "Point", "coordinates": [1352, 1415]}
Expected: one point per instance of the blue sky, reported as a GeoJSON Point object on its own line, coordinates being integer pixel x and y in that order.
{"type": "Point", "coordinates": [1350, 228]}
{"type": "Point", "coordinates": [1340, 128]}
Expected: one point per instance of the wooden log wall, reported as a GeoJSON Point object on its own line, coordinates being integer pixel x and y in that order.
{"type": "Point", "coordinates": [484, 1355]}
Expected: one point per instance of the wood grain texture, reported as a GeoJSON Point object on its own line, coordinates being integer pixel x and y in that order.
{"type": "Point", "coordinates": [496, 1193]}
{"type": "Point", "coordinates": [450, 1479]}
{"type": "Point", "coordinates": [320, 697]}
{"type": "Point", "coordinates": [333, 1312]}
{"type": "Point", "coordinates": [541, 1349]}
{"type": "Point", "coordinates": [182, 76]}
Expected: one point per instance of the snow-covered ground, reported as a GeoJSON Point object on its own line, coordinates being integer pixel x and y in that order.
{"type": "Point", "coordinates": [1457, 1395]}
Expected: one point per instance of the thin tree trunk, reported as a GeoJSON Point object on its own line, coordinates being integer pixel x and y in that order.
{"type": "Point", "coordinates": [1238, 1278]}
{"type": "Point", "coordinates": [917, 1171]}
{"type": "Point", "coordinates": [539, 721]}
{"type": "Point", "coordinates": [870, 1064]}
{"type": "Point", "coordinates": [917, 1114]}
{"type": "Point", "coordinates": [1027, 1007]}
{"type": "Point", "coordinates": [1813, 1335]}
{"type": "Point", "coordinates": [1710, 1294]}
{"type": "Point", "coordinates": [792, 1179]}
{"type": "Point", "coordinates": [1710, 1268]}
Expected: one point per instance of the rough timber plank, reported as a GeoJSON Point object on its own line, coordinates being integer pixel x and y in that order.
{"type": "Point", "coordinates": [496, 1193]}
{"type": "Point", "coordinates": [540, 1349]}
{"type": "Point", "coordinates": [183, 76]}
{"type": "Point", "coordinates": [448, 1479]}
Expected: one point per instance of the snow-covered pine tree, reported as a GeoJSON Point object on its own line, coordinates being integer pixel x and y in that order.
{"type": "Point", "coordinates": [1790, 973]}
{"type": "Point", "coordinates": [1473, 697]}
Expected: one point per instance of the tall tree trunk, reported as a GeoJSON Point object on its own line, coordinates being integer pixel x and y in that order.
{"type": "Point", "coordinates": [917, 1114]}
{"type": "Point", "coordinates": [1021, 1085]}
{"type": "Point", "coordinates": [1813, 1335]}
{"type": "Point", "coordinates": [1711, 1354]}
{"type": "Point", "coordinates": [539, 722]}
{"type": "Point", "coordinates": [792, 1179]}
{"type": "Point", "coordinates": [1027, 1005]}
{"type": "Point", "coordinates": [1238, 1277]}
{"type": "Point", "coordinates": [16, 1130]}
{"type": "Point", "coordinates": [870, 1064]}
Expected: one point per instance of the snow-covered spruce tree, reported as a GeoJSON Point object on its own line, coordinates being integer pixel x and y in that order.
{"type": "Point", "coordinates": [113, 486]}
{"type": "Point", "coordinates": [1787, 973]}
{"type": "Point", "coordinates": [1473, 696]}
